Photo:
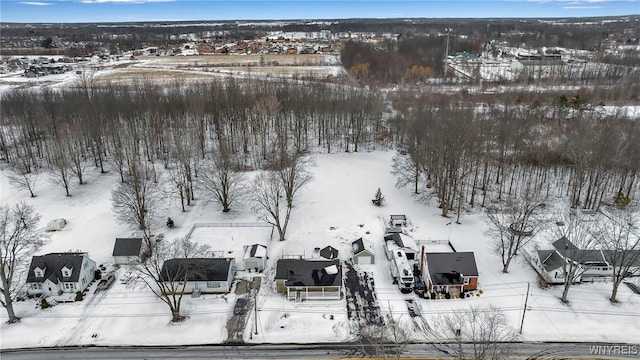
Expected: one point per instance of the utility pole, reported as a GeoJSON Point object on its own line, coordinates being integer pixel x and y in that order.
{"type": "Point", "coordinates": [524, 311]}
{"type": "Point", "coordinates": [446, 54]}
{"type": "Point", "coordinates": [255, 309]}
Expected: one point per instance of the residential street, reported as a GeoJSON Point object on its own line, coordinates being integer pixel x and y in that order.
{"type": "Point", "coordinates": [547, 351]}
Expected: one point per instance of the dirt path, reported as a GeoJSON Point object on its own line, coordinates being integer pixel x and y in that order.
{"type": "Point", "coordinates": [236, 324]}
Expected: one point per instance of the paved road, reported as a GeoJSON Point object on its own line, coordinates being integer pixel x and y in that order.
{"type": "Point", "coordinates": [529, 351]}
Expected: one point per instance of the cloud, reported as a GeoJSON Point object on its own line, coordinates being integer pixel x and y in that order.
{"type": "Point", "coordinates": [35, 3]}
{"type": "Point", "coordinates": [123, 1]}
{"type": "Point", "coordinates": [585, 7]}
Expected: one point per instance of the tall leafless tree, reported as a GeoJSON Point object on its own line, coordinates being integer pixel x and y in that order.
{"type": "Point", "coordinates": [474, 333]}
{"type": "Point", "coordinates": [620, 240]}
{"type": "Point", "coordinates": [268, 195]}
{"type": "Point", "coordinates": [513, 223]}
{"type": "Point", "coordinates": [222, 181]}
{"type": "Point", "coordinates": [20, 237]}
{"type": "Point", "coordinates": [576, 235]}
{"type": "Point", "coordinates": [168, 286]}
{"type": "Point", "coordinates": [137, 201]}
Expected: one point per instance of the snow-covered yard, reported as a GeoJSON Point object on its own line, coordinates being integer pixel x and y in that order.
{"type": "Point", "coordinates": [334, 209]}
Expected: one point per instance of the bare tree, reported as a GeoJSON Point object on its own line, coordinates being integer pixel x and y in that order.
{"type": "Point", "coordinates": [512, 225]}
{"type": "Point", "coordinates": [474, 333]}
{"type": "Point", "coordinates": [137, 200]}
{"type": "Point", "coordinates": [20, 237]}
{"type": "Point", "coordinates": [169, 286]}
{"type": "Point", "coordinates": [20, 179]}
{"type": "Point", "coordinates": [575, 239]}
{"type": "Point", "coordinates": [294, 176]}
{"type": "Point", "coordinates": [222, 182]}
{"type": "Point", "coordinates": [386, 340]}
{"type": "Point", "coordinates": [621, 245]}
{"type": "Point", "coordinates": [268, 193]}
{"type": "Point", "coordinates": [60, 166]}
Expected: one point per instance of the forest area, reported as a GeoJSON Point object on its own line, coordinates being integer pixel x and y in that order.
{"type": "Point", "coordinates": [460, 153]}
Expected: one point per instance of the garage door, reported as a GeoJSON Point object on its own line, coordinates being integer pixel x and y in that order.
{"type": "Point", "coordinates": [364, 260]}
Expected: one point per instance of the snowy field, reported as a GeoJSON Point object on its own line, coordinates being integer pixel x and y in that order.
{"type": "Point", "coordinates": [163, 69]}
{"type": "Point", "coordinates": [334, 209]}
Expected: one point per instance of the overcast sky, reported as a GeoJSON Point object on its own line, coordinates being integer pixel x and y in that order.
{"type": "Point", "coordinates": [177, 10]}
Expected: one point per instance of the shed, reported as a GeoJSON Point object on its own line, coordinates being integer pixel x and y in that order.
{"type": "Point", "coordinates": [329, 252]}
{"type": "Point", "coordinates": [126, 251]}
{"type": "Point", "coordinates": [254, 257]}
{"type": "Point", "coordinates": [362, 252]}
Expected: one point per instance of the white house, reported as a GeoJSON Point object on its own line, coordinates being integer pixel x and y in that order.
{"type": "Point", "coordinates": [127, 250]}
{"type": "Point", "coordinates": [254, 257]}
{"type": "Point", "coordinates": [205, 275]}
{"type": "Point", "coordinates": [56, 273]}
{"type": "Point", "coordinates": [549, 265]}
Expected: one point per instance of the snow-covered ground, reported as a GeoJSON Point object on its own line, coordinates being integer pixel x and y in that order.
{"type": "Point", "coordinates": [334, 209]}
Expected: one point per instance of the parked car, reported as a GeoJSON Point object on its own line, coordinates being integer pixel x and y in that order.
{"type": "Point", "coordinates": [105, 283]}
{"type": "Point", "coordinates": [238, 308]}
{"type": "Point", "coordinates": [419, 288]}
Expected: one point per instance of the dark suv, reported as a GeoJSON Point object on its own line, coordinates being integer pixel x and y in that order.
{"type": "Point", "coordinates": [238, 308]}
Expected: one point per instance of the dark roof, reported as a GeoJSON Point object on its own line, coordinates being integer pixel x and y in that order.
{"type": "Point", "coordinates": [53, 264]}
{"type": "Point", "coordinates": [358, 246]}
{"type": "Point", "coordinates": [550, 259]}
{"type": "Point", "coordinates": [299, 272]}
{"type": "Point", "coordinates": [563, 244]}
{"type": "Point", "coordinates": [127, 247]}
{"type": "Point", "coordinates": [395, 237]}
{"type": "Point", "coordinates": [446, 268]}
{"type": "Point", "coordinates": [329, 252]}
{"type": "Point", "coordinates": [592, 256]}
{"type": "Point", "coordinates": [254, 249]}
{"type": "Point", "coordinates": [626, 258]}
{"type": "Point", "coordinates": [197, 269]}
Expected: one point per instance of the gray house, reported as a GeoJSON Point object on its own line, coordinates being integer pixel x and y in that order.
{"type": "Point", "coordinates": [362, 253]}
{"type": "Point", "coordinates": [126, 251]}
{"type": "Point", "coordinates": [205, 275]}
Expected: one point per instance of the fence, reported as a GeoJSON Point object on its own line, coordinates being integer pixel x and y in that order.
{"type": "Point", "coordinates": [198, 225]}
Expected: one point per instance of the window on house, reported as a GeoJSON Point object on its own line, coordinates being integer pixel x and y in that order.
{"type": "Point", "coordinates": [213, 284]}
{"type": "Point", "coordinates": [67, 286]}
{"type": "Point", "coordinates": [466, 281]}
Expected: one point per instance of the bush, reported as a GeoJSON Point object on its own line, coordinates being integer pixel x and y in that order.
{"type": "Point", "coordinates": [79, 296]}
{"type": "Point", "coordinates": [44, 304]}
{"type": "Point", "coordinates": [170, 223]}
